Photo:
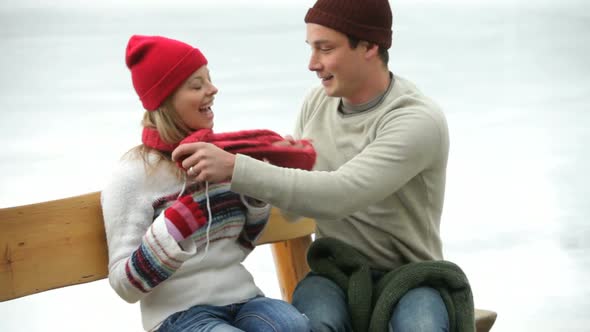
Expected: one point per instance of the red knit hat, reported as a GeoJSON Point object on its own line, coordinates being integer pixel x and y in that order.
{"type": "Point", "coordinates": [368, 20]}
{"type": "Point", "coordinates": [159, 65]}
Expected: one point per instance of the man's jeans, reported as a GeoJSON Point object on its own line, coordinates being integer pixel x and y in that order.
{"type": "Point", "coordinates": [260, 314]}
{"type": "Point", "coordinates": [323, 302]}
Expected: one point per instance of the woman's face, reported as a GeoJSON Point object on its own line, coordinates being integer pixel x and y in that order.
{"type": "Point", "coordinates": [193, 100]}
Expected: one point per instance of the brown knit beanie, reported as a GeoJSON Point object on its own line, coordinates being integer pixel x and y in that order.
{"type": "Point", "coordinates": [368, 20]}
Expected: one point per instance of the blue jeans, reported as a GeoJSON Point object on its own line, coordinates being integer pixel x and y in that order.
{"type": "Point", "coordinates": [324, 303]}
{"type": "Point", "coordinates": [260, 314]}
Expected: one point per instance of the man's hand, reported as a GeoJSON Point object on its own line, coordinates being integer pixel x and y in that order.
{"type": "Point", "coordinates": [205, 161]}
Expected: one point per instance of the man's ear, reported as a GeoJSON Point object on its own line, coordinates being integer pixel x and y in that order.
{"type": "Point", "coordinates": [372, 50]}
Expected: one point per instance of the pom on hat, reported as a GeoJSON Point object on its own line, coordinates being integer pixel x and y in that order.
{"type": "Point", "coordinates": [159, 65]}
{"type": "Point", "coordinates": [368, 20]}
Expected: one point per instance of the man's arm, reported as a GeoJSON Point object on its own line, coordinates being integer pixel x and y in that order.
{"type": "Point", "coordinates": [404, 147]}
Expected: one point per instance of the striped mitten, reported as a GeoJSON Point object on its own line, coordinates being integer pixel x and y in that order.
{"type": "Point", "coordinates": [183, 218]}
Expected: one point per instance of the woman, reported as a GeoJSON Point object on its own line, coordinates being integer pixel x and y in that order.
{"type": "Point", "coordinates": [176, 245]}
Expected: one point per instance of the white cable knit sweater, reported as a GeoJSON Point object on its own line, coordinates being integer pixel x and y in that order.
{"type": "Point", "coordinates": [146, 264]}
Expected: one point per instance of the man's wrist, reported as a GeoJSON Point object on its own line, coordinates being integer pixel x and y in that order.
{"type": "Point", "coordinates": [230, 166]}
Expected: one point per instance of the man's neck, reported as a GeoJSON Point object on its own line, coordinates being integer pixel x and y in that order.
{"type": "Point", "coordinates": [347, 108]}
{"type": "Point", "coordinates": [374, 86]}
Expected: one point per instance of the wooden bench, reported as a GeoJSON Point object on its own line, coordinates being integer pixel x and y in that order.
{"type": "Point", "coordinates": [62, 243]}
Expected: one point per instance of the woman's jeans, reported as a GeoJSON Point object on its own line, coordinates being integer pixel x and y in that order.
{"type": "Point", "coordinates": [324, 303]}
{"type": "Point", "coordinates": [260, 314]}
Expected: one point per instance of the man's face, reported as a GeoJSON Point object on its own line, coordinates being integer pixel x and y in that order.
{"type": "Point", "coordinates": [337, 65]}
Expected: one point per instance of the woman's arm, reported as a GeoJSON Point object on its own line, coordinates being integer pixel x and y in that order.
{"type": "Point", "coordinates": [257, 215]}
{"type": "Point", "coordinates": [142, 253]}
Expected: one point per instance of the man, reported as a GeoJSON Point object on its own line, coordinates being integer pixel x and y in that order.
{"type": "Point", "coordinates": [379, 179]}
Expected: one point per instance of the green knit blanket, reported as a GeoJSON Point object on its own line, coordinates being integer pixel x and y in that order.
{"type": "Point", "coordinates": [371, 306]}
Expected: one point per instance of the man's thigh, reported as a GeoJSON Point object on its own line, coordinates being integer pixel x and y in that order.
{"type": "Point", "coordinates": [323, 302]}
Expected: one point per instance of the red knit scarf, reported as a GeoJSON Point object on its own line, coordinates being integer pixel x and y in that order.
{"type": "Point", "coordinates": [256, 143]}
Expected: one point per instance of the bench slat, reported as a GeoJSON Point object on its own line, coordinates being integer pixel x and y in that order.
{"type": "Point", "coordinates": [50, 245]}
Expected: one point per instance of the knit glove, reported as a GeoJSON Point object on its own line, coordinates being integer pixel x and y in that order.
{"type": "Point", "coordinates": [184, 217]}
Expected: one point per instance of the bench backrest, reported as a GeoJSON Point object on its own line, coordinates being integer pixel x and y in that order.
{"type": "Point", "coordinates": [62, 242]}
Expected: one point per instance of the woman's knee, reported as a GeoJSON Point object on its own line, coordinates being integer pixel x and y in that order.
{"type": "Point", "coordinates": [264, 314]}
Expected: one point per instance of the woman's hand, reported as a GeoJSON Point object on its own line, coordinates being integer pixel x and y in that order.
{"type": "Point", "coordinates": [184, 217]}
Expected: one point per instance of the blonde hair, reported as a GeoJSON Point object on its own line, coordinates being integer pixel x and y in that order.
{"type": "Point", "coordinates": [171, 129]}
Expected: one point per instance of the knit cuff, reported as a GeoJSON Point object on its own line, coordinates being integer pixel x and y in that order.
{"type": "Point", "coordinates": [182, 250]}
{"type": "Point", "coordinates": [255, 212]}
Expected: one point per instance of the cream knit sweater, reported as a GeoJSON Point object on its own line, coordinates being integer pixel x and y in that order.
{"type": "Point", "coordinates": [379, 180]}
